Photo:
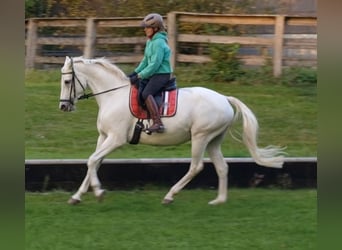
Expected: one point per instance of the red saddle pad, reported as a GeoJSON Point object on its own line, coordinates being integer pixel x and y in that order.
{"type": "Point", "coordinates": [167, 108]}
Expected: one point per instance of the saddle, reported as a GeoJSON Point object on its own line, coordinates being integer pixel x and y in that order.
{"type": "Point", "coordinates": [166, 101]}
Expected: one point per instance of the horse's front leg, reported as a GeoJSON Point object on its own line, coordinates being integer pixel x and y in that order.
{"type": "Point", "coordinates": [76, 198]}
{"type": "Point", "coordinates": [109, 144]}
{"type": "Point", "coordinates": [93, 165]}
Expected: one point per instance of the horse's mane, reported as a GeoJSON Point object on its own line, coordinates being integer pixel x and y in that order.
{"type": "Point", "coordinates": [105, 63]}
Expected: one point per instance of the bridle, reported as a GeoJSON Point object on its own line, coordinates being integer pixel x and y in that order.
{"type": "Point", "coordinates": [72, 94]}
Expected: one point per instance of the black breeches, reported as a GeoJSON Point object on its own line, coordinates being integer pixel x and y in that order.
{"type": "Point", "coordinates": [154, 85]}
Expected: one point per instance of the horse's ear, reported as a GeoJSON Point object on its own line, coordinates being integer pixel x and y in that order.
{"type": "Point", "coordinates": [67, 59]}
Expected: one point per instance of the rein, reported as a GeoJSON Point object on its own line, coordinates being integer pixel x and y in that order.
{"type": "Point", "coordinates": [84, 96]}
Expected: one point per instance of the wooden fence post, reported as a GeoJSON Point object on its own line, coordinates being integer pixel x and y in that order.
{"type": "Point", "coordinates": [90, 38]}
{"type": "Point", "coordinates": [31, 44]}
{"type": "Point", "coordinates": [172, 37]}
{"type": "Point", "coordinates": [278, 45]}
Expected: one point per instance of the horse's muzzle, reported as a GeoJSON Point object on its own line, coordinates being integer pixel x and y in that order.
{"type": "Point", "coordinates": [66, 106]}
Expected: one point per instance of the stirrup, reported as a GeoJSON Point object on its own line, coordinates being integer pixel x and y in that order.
{"type": "Point", "coordinates": [160, 129]}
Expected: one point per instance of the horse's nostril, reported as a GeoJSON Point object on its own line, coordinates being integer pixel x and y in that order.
{"type": "Point", "coordinates": [63, 107]}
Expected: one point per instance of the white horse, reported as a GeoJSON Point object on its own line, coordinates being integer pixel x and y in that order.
{"type": "Point", "coordinates": [204, 116]}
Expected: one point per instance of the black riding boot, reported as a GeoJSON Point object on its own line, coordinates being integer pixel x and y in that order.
{"type": "Point", "coordinates": [153, 109]}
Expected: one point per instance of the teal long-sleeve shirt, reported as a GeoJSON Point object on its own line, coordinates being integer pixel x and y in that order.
{"type": "Point", "coordinates": [156, 57]}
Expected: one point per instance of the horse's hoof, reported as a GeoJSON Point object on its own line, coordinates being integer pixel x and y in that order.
{"type": "Point", "coordinates": [167, 201]}
{"type": "Point", "coordinates": [216, 202]}
{"type": "Point", "coordinates": [73, 201]}
{"type": "Point", "coordinates": [100, 196]}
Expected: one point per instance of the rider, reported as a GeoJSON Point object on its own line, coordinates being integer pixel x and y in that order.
{"type": "Point", "coordinates": [155, 68]}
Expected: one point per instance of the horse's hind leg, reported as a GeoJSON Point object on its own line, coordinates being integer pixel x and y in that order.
{"type": "Point", "coordinates": [196, 166]}
{"type": "Point", "coordinates": [215, 154]}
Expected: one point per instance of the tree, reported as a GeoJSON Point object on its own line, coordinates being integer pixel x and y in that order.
{"type": "Point", "coordinates": [35, 8]}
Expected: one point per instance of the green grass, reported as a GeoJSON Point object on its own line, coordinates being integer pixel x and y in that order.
{"type": "Point", "coordinates": [286, 111]}
{"type": "Point", "coordinates": [251, 219]}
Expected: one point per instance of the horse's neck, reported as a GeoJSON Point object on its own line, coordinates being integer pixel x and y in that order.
{"type": "Point", "coordinates": [99, 81]}
{"type": "Point", "coordinates": [104, 85]}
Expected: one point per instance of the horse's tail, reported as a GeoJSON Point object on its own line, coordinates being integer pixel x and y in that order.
{"type": "Point", "coordinates": [270, 156]}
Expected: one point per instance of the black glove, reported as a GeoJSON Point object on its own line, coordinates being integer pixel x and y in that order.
{"type": "Point", "coordinates": [133, 77]}
{"type": "Point", "coordinates": [132, 74]}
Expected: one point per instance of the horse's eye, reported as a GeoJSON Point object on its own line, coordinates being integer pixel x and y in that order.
{"type": "Point", "coordinates": [67, 81]}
